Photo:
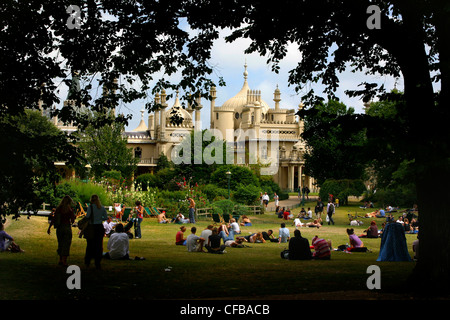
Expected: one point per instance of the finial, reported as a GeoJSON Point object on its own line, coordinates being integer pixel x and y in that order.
{"type": "Point", "coordinates": [245, 71]}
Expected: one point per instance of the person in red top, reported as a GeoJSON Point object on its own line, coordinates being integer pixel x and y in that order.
{"type": "Point", "coordinates": [321, 248]}
{"type": "Point", "coordinates": [62, 221]}
{"type": "Point", "coordinates": [179, 238]}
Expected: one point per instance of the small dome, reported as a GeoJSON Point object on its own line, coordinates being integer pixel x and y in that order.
{"type": "Point", "coordinates": [177, 109]}
{"type": "Point", "coordinates": [142, 126]}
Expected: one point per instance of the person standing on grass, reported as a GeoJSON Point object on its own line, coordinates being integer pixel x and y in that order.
{"type": "Point", "coordinates": [139, 217]}
{"type": "Point", "coordinates": [62, 221]}
{"type": "Point", "coordinates": [94, 244]}
{"type": "Point", "coordinates": [330, 212]}
{"type": "Point", "coordinates": [191, 210]}
{"type": "Point", "coordinates": [319, 209]}
{"type": "Point", "coordinates": [265, 199]}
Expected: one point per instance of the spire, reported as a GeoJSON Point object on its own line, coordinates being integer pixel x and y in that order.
{"type": "Point", "coordinates": [245, 71]}
{"type": "Point", "coordinates": [277, 98]}
{"type": "Point", "coordinates": [142, 126]}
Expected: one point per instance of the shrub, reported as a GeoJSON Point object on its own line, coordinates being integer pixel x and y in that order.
{"type": "Point", "coordinates": [145, 181]}
{"type": "Point", "coordinates": [401, 196]}
{"type": "Point", "coordinates": [223, 206]}
{"type": "Point", "coordinates": [342, 189]}
{"type": "Point", "coordinates": [165, 179]}
{"type": "Point", "coordinates": [247, 194]}
{"type": "Point", "coordinates": [84, 191]}
{"type": "Point", "coordinates": [113, 175]}
{"type": "Point", "coordinates": [213, 192]}
{"type": "Point", "coordinates": [55, 196]}
{"type": "Point", "coordinates": [239, 174]}
{"type": "Point", "coordinates": [230, 207]}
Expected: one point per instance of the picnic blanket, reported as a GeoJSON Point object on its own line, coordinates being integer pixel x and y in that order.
{"type": "Point", "coordinates": [393, 244]}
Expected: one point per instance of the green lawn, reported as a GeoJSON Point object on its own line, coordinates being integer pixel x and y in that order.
{"type": "Point", "coordinates": [252, 272]}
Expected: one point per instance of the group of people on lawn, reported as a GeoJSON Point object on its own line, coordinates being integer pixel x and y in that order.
{"type": "Point", "coordinates": [211, 239]}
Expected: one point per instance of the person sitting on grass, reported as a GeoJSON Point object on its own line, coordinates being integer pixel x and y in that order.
{"type": "Point", "coordinates": [355, 242]}
{"type": "Point", "coordinates": [286, 214]}
{"type": "Point", "coordinates": [299, 247]}
{"type": "Point", "coordinates": [371, 231]}
{"type": "Point", "coordinates": [283, 234]}
{"type": "Point", "coordinates": [118, 245]}
{"type": "Point", "coordinates": [225, 233]}
{"type": "Point", "coordinates": [7, 242]}
{"type": "Point", "coordinates": [302, 213]}
{"type": "Point", "coordinates": [268, 236]}
{"type": "Point", "coordinates": [194, 243]}
{"type": "Point", "coordinates": [246, 221]}
{"type": "Point", "coordinates": [214, 245]}
{"type": "Point", "coordinates": [162, 218]}
{"type": "Point", "coordinates": [179, 237]}
{"type": "Point", "coordinates": [179, 218]}
{"type": "Point", "coordinates": [206, 233]}
{"type": "Point", "coordinates": [322, 248]}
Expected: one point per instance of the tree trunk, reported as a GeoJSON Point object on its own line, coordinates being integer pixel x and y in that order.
{"type": "Point", "coordinates": [432, 272]}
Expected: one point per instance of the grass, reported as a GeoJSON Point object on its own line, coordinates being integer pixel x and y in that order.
{"type": "Point", "coordinates": [252, 272]}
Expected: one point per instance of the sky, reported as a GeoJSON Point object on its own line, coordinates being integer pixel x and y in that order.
{"type": "Point", "coordinates": [229, 59]}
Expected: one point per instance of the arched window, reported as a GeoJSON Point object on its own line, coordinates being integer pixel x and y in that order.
{"type": "Point", "coordinates": [138, 152]}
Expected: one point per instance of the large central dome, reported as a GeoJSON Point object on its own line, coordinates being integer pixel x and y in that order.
{"type": "Point", "coordinates": [239, 101]}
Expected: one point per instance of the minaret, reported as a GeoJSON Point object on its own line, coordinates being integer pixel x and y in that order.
{"type": "Point", "coordinates": [213, 94]}
{"type": "Point", "coordinates": [198, 122]}
{"type": "Point", "coordinates": [277, 98]}
{"type": "Point", "coordinates": [189, 106]}
{"type": "Point", "coordinates": [163, 116]}
{"type": "Point", "coordinates": [156, 118]}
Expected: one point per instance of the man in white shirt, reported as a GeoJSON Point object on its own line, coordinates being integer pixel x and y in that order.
{"type": "Point", "coordinates": [265, 199]}
{"type": "Point", "coordinates": [283, 234]}
{"type": "Point", "coordinates": [206, 233]}
{"type": "Point", "coordinates": [118, 245]}
{"type": "Point", "coordinates": [108, 225]}
{"type": "Point", "coordinates": [235, 226]}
